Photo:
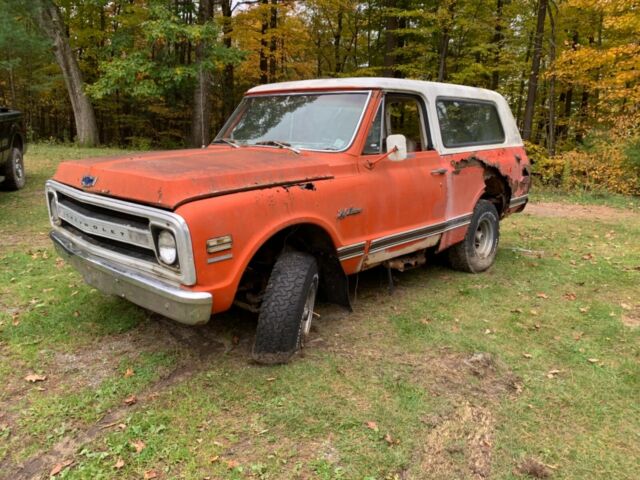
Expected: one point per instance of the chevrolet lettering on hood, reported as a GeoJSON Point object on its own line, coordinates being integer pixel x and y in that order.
{"type": "Point", "coordinates": [307, 183]}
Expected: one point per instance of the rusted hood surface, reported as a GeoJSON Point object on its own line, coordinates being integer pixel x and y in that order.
{"type": "Point", "coordinates": [169, 179]}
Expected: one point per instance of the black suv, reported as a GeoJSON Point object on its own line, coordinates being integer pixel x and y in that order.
{"type": "Point", "coordinates": [12, 148]}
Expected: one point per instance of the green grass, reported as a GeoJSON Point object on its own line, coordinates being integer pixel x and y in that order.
{"type": "Point", "coordinates": [549, 194]}
{"type": "Point", "coordinates": [389, 391]}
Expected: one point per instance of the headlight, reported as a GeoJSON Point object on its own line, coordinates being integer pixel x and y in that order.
{"type": "Point", "coordinates": [53, 209]}
{"type": "Point", "coordinates": [167, 250]}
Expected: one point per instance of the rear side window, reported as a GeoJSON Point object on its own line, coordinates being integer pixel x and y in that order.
{"type": "Point", "coordinates": [467, 122]}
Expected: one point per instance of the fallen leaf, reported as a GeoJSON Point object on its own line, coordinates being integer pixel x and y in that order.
{"type": "Point", "coordinates": [583, 309]}
{"type": "Point", "coordinates": [516, 310]}
{"type": "Point", "coordinates": [119, 464]}
{"type": "Point", "coordinates": [534, 313]}
{"type": "Point", "coordinates": [372, 425]}
{"type": "Point", "coordinates": [542, 295]}
{"type": "Point", "coordinates": [552, 373]}
{"type": "Point", "coordinates": [588, 256]}
{"type": "Point", "coordinates": [58, 467]}
{"type": "Point", "coordinates": [149, 474]}
{"type": "Point", "coordinates": [138, 445]}
{"type": "Point", "coordinates": [527, 355]}
{"type": "Point", "coordinates": [131, 400]}
{"type": "Point", "coordinates": [34, 377]}
{"type": "Point", "coordinates": [593, 360]}
{"type": "Point", "coordinates": [487, 331]}
{"type": "Point", "coordinates": [76, 314]}
{"type": "Point", "coordinates": [122, 426]}
{"type": "Point", "coordinates": [129, 373]}
{"type": "Point", "coordinates": [214, 459]}
{"type": "Point", "coordinates": [570, 296]}
{"type": "Point", "coordinates": [626, 306]}
{"type": "Point", "coordinates": [390, 440]}
{"type": "Point", "coordinates": [578, 336]}
{"type": "Point", "coordinates": [231, 464]}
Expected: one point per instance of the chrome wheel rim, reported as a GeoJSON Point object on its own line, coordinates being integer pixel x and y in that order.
{"type": "Point", "coordinates": [484, 238]}
{"type": "Point", "coordinates": [309, 304]}
{"type": "Point", "coordinates": [18, 168]}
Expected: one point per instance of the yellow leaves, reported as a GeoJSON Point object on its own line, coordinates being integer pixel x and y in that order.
{"type": "Point", "coordinates": [604, 167]}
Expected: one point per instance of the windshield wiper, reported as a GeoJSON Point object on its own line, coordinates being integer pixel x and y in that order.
{"type": "Point", "coordinates": [280, 144]}
{"type": "Point", "coordinates": [228, 141]}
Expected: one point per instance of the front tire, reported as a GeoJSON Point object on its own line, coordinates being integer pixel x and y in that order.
{"type": "Point", "coordinates": [287, 308]}
{"type": "Point", "coordinates": [15, 178]}
{"type": "Point", "coordinates": [477, 252]}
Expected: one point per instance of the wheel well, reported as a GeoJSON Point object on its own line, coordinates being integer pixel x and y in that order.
{"type": "Point", "coordinates": [496, 190]}
{"type": "Point", "coordinates": [304, 237]}
{"type": "Point", "coordinates": [17, 142]}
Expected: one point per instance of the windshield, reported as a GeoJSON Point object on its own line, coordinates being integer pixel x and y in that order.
{"type": "Point", "coordinates": [318, 121]}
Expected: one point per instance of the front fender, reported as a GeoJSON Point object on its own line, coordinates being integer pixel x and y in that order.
{"type": "Point", "coordinates": [251, 218]}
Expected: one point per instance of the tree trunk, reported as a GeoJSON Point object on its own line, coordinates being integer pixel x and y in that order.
{"type": "Point", "coordinates": [391, 44]}
{"type": "Point", "coordinates": [337, 39]}
{"type": "Point", "coordinates": [444, 42]}
{"type": "Point", "coordinates": [535, 70]}
{"type": "Point", "coordinates": [522, 75]}
{"type": "Point", "coordinates": [498, 38]}
{"type": "Point", "coordinates": [13, 88]}
{"type": "Point", "coordinates": [273, 43]}
{"type": "Point", "coordinates": [51, 23]}
{"type": "Point", "coordinates": [228, 78]}
{"type": "Point", "coordinates": [201, 115]}
{"type": "Point", "coordinates": [551, 139]}
{"type": "Point", "coordinates": [264, 28]}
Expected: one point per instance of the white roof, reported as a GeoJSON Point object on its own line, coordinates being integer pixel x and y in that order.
{"type": "Point", "coordinates": [428, 90]}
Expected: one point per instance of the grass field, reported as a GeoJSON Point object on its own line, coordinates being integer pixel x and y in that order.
{"type": "Point", "coordinates": [530, 370]}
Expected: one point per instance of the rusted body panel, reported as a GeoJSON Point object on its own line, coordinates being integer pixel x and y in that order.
{"type": "Point", "coordinates": [167, 179]}
{"type": "Point", "coordinates": [371, 214]}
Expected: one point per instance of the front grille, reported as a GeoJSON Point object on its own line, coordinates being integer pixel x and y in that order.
{"type": "Point", "coordinates": [122, 232]}
{"type": "Point", "coordinates": [126, 219]}
{"type": "Point", "coordinates": [113, 245]}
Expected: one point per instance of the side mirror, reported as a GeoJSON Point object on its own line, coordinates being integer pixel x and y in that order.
{"type": "Point", "coordinates": [399, 144]}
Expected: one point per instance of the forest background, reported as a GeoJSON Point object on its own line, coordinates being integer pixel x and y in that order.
{"type": "Point", "coordinates": [166, 73]}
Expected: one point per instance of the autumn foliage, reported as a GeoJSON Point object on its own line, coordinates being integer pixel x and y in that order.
{"type": "Point", "coordinates": [166, 73]}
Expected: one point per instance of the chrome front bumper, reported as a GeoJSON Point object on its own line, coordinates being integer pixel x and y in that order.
{"type": "Point", "coordinates": [184, 306]}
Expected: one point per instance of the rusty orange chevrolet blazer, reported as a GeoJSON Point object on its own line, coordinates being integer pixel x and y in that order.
{"type": "Point", "coordinates": [307, 183]}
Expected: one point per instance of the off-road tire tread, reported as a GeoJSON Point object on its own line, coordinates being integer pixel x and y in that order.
{"type": "Point", "coordinates": [10, 181]}
{"type": "Point", "coordinates": [279, 321]}
{"type": "Point", "coordinates": [460, 257]}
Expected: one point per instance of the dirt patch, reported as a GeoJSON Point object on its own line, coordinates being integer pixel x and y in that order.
{"type": "Point", "coordinates": [534, 468]}
{"type": "Point", "coordinates": [631, 318]}
{"type": "Point", "coordinates": [567, 210]}
{"type": "Point", "coordinates": [460, 446]}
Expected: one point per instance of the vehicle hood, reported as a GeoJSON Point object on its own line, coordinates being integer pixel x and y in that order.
{"type": "Point", "coordinates": [169, 179]}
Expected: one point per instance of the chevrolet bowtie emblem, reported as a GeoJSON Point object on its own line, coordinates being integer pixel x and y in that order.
{"type": "Point", "coordinates": [88, 181]}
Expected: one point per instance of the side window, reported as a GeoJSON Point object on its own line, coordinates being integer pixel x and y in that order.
{"type": "Point", "coordinates": [467, 122]}
{"type": "Point", "coordinates": [373, 144]}
{"type": "Point", "coordinates": [403, 115]}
